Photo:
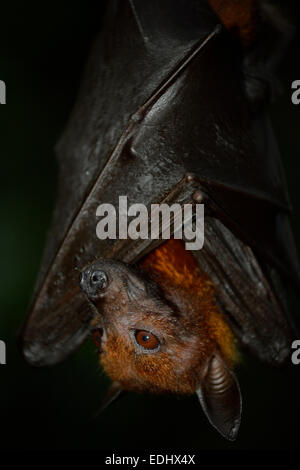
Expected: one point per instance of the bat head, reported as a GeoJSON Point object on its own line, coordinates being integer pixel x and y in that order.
{"type": "Point", "coordinates": [148, 344]}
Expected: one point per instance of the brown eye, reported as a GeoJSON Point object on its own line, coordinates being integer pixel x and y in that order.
{"type": "Point", "coordinates": [146, 339]}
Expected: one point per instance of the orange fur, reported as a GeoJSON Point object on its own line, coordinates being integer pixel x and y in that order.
{"type": "Point", "coordinates": [238, 16]}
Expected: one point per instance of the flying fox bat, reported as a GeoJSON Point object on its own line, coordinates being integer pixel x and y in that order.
{"type": "Point", "coordinates": [172, 110]}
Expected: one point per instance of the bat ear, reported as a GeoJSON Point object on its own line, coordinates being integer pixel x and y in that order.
{"type": "Point", "coordinates": [135, 286]}
{"type": "Point", "coordinates": [220, 397]}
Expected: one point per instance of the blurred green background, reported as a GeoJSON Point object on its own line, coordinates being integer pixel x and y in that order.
{"type": "Point", "coordinates": [43, 48]}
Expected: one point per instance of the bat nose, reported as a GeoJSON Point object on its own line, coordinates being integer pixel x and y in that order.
{"type": "Point", "coordinates": [82, 280]}
{"type": "Point", "coordinates": [92, 281]}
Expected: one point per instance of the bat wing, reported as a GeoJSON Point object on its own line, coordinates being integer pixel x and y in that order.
{"type": "Point", "coordinates": [245, 294]}
{"type": "Point", "coordinates": [161, 101]}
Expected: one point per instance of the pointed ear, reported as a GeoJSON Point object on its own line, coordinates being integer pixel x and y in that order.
{"type": "Point", "coordinates": [220, 397]}
{"type": "Point", "coordinates": [135, 286]}
{"type": "Point", "coordinates": [114, 392]}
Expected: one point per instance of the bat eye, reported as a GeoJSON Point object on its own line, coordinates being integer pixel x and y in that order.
{"type": "Point", "coordinates": [99, 280]}
{"type": "Point", "coordinates": [146, 339]}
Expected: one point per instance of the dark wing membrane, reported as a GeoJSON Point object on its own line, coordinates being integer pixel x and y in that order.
{"type": "Point", "coordinates": [205, 125]}
{"type": "Point", "coordinates": [244, 294]}
{"type": "Point", "coordinates": [261, 222]}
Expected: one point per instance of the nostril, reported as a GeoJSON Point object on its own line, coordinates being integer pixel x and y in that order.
{"type": "Point", "coordinates": [98, 279]}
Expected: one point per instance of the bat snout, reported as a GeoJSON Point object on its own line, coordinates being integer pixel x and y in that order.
{"type": "Point", "coordinates": [93, 281]}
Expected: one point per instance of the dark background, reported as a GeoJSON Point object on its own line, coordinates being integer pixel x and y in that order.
{"type": "Point", "coordinates": [43, 47]}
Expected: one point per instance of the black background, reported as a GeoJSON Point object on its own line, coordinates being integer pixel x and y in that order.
{"type": "Point", "coordinates": [43, 47]}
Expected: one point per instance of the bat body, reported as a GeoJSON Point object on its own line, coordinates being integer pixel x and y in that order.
{"type": "Point", "coordinates": [172, 110]}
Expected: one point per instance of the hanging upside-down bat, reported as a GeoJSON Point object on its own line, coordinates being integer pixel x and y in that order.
{"type": "Point", "coordinates": [172, 110]}
{"type": "Point", "coordinates": [170, 338]}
